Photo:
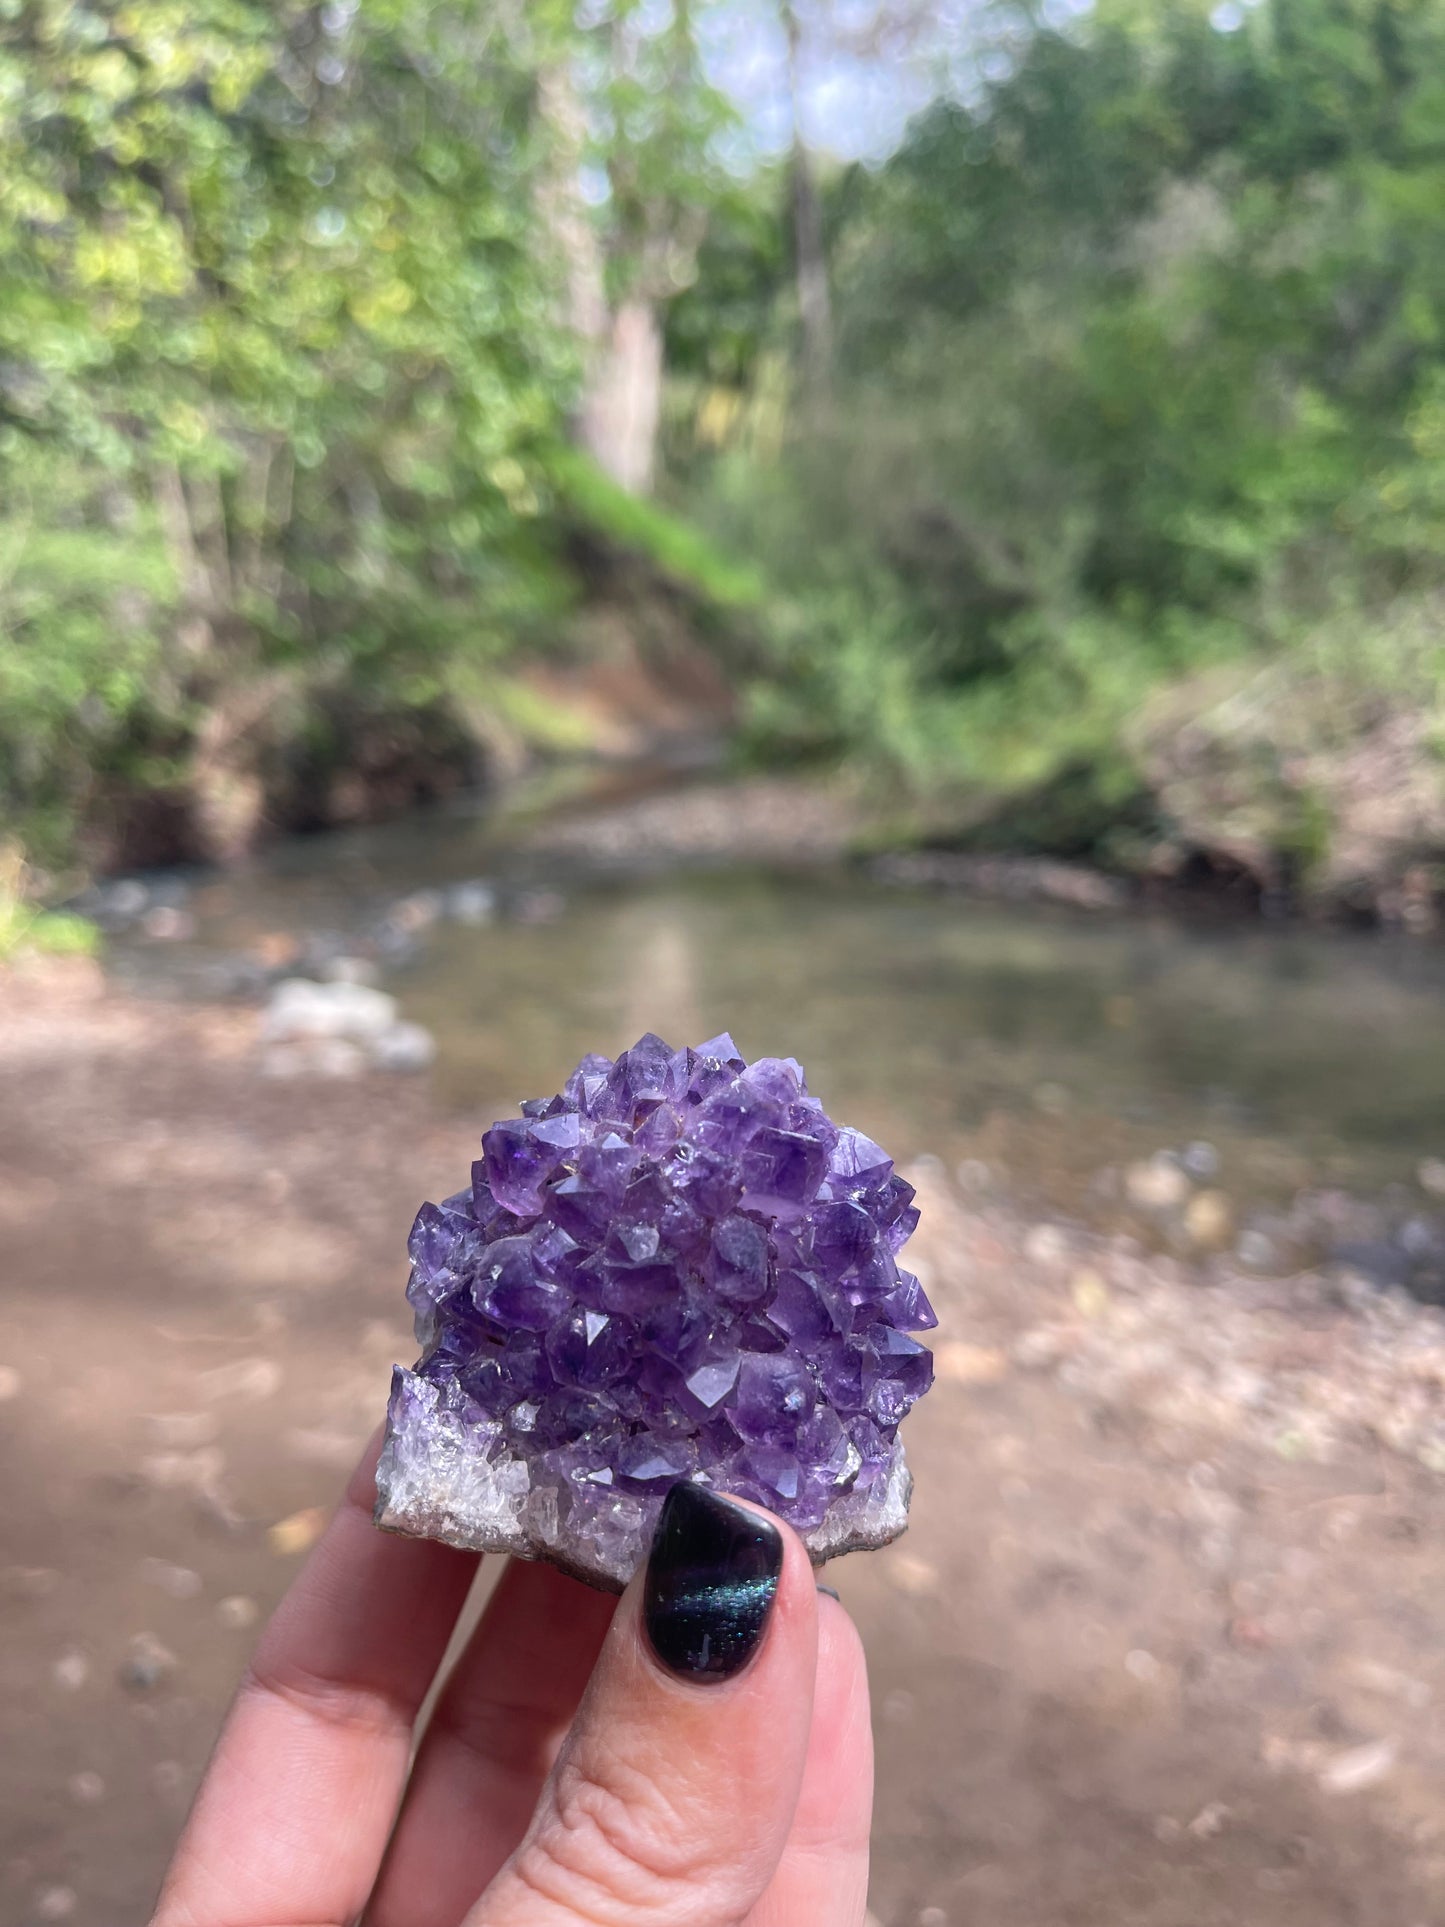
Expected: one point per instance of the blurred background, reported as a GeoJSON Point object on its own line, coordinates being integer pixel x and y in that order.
{"type": "Point", "coordinates": [913, 532]}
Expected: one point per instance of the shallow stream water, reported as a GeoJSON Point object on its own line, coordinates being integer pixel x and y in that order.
{"type": "Point", "coordinates": [1046, 1044]}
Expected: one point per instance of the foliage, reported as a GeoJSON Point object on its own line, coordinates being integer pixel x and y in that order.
{"type": "Point", "coordinates": [1140, 371]}
{"type": "Point", "coordinates": [24, 928]}
{"type": "Point", "coordinates": [1138, 383]}
{"type": "Point", "coordinates": [676, 548]}
{"type": "Point", "coordinates": [274, 326]}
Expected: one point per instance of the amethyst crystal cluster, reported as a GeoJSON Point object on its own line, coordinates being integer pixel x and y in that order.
{"type": "Point", "coordinates": [679, 1268]}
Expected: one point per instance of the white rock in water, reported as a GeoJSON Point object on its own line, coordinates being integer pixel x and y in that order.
{"type": "Point", "coordinates": [168, 924]}
{"type": "Point", "coordinates": [473, 904]}
{"type": "Point", "coordinates": [300, 1008]}
{"type": "Point", "coordinates": [314, 1057]}
{"type": "Point", "coordinates": [349, 970]}
{"type": "Point", "coordinates": [405, 1047]}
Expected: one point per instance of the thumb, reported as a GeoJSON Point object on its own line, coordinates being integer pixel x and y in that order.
{"type": "Point", "coordinates": [672, 1797]}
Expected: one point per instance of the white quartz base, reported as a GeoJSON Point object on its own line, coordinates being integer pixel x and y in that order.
{"type": "Point", "coordinates": [445, 1487]}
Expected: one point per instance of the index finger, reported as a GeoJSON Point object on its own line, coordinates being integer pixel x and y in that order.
{"type": "Point", "coordinates": [294, 1812]}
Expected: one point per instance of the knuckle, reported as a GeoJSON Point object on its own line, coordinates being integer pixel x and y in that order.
{"type": "Point", "coordinates": [333, 1702]}
{"type": "Point", "coordinates": [616, 1849]}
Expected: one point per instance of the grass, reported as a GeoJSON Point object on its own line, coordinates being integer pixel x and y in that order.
{"type": "Point", "coordinates": [26, 929]}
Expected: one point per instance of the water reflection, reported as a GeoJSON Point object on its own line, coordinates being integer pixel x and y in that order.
{"type": "Point", "coordinates": [1048, 1041]}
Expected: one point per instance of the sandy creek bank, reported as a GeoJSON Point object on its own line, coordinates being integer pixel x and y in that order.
{"type": "Point", "coordinates": [1165, 1646]}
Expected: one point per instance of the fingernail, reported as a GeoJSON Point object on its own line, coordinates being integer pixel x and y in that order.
{"type": "Point", "coordinates": [712, 1576]}
{"type": "Point", "coordinates": [831, 1594]}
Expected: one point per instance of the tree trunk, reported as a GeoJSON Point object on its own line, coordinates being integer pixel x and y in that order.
{"type": "Point", "coordinates": [624, 397]}
{"type": "Point", "coordinates": [621, 347]}
{"type": "Point", "coordinates": [564, 213]}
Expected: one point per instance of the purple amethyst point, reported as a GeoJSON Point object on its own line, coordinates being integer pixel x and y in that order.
{"type": "Point", "coordinates": [678, 1268]}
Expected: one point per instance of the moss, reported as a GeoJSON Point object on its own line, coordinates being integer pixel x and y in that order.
{"type": "Point", "coordinates": [53, 933]}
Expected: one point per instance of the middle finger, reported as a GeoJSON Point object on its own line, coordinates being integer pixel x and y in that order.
{"type": "Point", "coordinates": [490, 1745]}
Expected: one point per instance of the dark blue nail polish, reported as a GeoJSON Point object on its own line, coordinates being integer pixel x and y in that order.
{"type": "Point", "coordinates": [712, 1577]}
{"type": "Point", "coordinates": [830, 1592]}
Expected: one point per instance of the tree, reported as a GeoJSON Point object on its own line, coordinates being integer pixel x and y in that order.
{"type": "Point", "coordinates": [642, 122]}
{"type": "Point", "coordinates": [268, 286]}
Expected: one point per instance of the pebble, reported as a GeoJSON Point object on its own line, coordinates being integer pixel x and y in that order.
{"type": "Point", "coordinates": [296, 1533]}
{"type": "Point", "coordinates": [914, 1575]}
{"type": "Point", "coordinates": [10, 1382]}
{"type": "Point", "coordinates": [181, 1431]}
{"type": "Point", "coordinates": [350, 970]}
{"type": "Point", "coordinates": [1431, 1175]}
{"type": "Point", "coordinates": [1420, 1237]}
{"type": "Point", "coordinates": [115, 903]}
{"type": "Point", "coordinates": [1209, 1821]}
{"type": "Point", "coordinates": [252, 1379]}
{"type": "Point", "coordinates": [1391, 1683]}
{"type": "Point", "coordinates": [1046, 1244]}
{"type": "Point", "coordinates": [86, 1789]}
{"type": "Point", "coordinates": [1090, 1293]}
{"type": "Point", "coordinates": [177, 1582]}
{"type": "Point", "coordinates": [970, 1364]}
{"type": "Point", "coordinates": [126, 898]}
{"type": "Point", "coordinates": [275, 949]}
{"type": "Point", "coordinates": [168, 924]}
{"type": "Point", "coordinates": [473, 904]}
{"type": "Point", "coordinates": [71, 1670]}
{"type": "Point", "coordinates": [148, 1663]}
{"type": "Point", "coordinates": [1359, 1767]}
{"type": "Point", "coordinates": [1256, 1251]}
{"type": "Point", "coordinates": [1209, 1220]}
{"type": "Point", "coordinates": [1383, 1264]}
{"type": "Point", "coordinates": [236, 1612]}
{"type": "Point", "coordinates": [1156, 1184]}
{"type": "Point", "coordinates": [55, 1903]}
{"type": "Point", "coordinates": [1200, 1160]}
{"type": "Point", "coordinates": [300, 1008]}
{"type": "Point", "coordinates": [405, 1047]}
{"type": "Point", "coordinates": [338, 1029]}
{"type": "Point", "coordinates": [417, 912]}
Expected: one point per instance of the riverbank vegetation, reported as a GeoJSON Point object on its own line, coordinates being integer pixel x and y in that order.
{"type": "Point", "coordinates": [1075, 469]}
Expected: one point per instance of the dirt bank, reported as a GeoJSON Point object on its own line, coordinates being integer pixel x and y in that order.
{"type": "Point", "coordinates": [1164, 1646]}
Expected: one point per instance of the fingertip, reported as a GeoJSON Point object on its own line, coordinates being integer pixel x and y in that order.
{"type": "Point", "coordinates": [723, 1579]}
{"type": "Point", "coordinates": [836, 1629]}
{"type": "Point", "coordinates": [823, 1873]}
{"type": "Point", "coordinates": [842, 1714]}
{"type": "Point", "coordinates": [678, 1783]}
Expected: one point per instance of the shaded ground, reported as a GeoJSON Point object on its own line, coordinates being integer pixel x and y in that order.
{"type": "Point", "coordinates": [1163, 1649]}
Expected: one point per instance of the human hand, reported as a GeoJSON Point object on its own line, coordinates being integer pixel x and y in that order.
{"type": "Point", "coordinates": [695, 1754]}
